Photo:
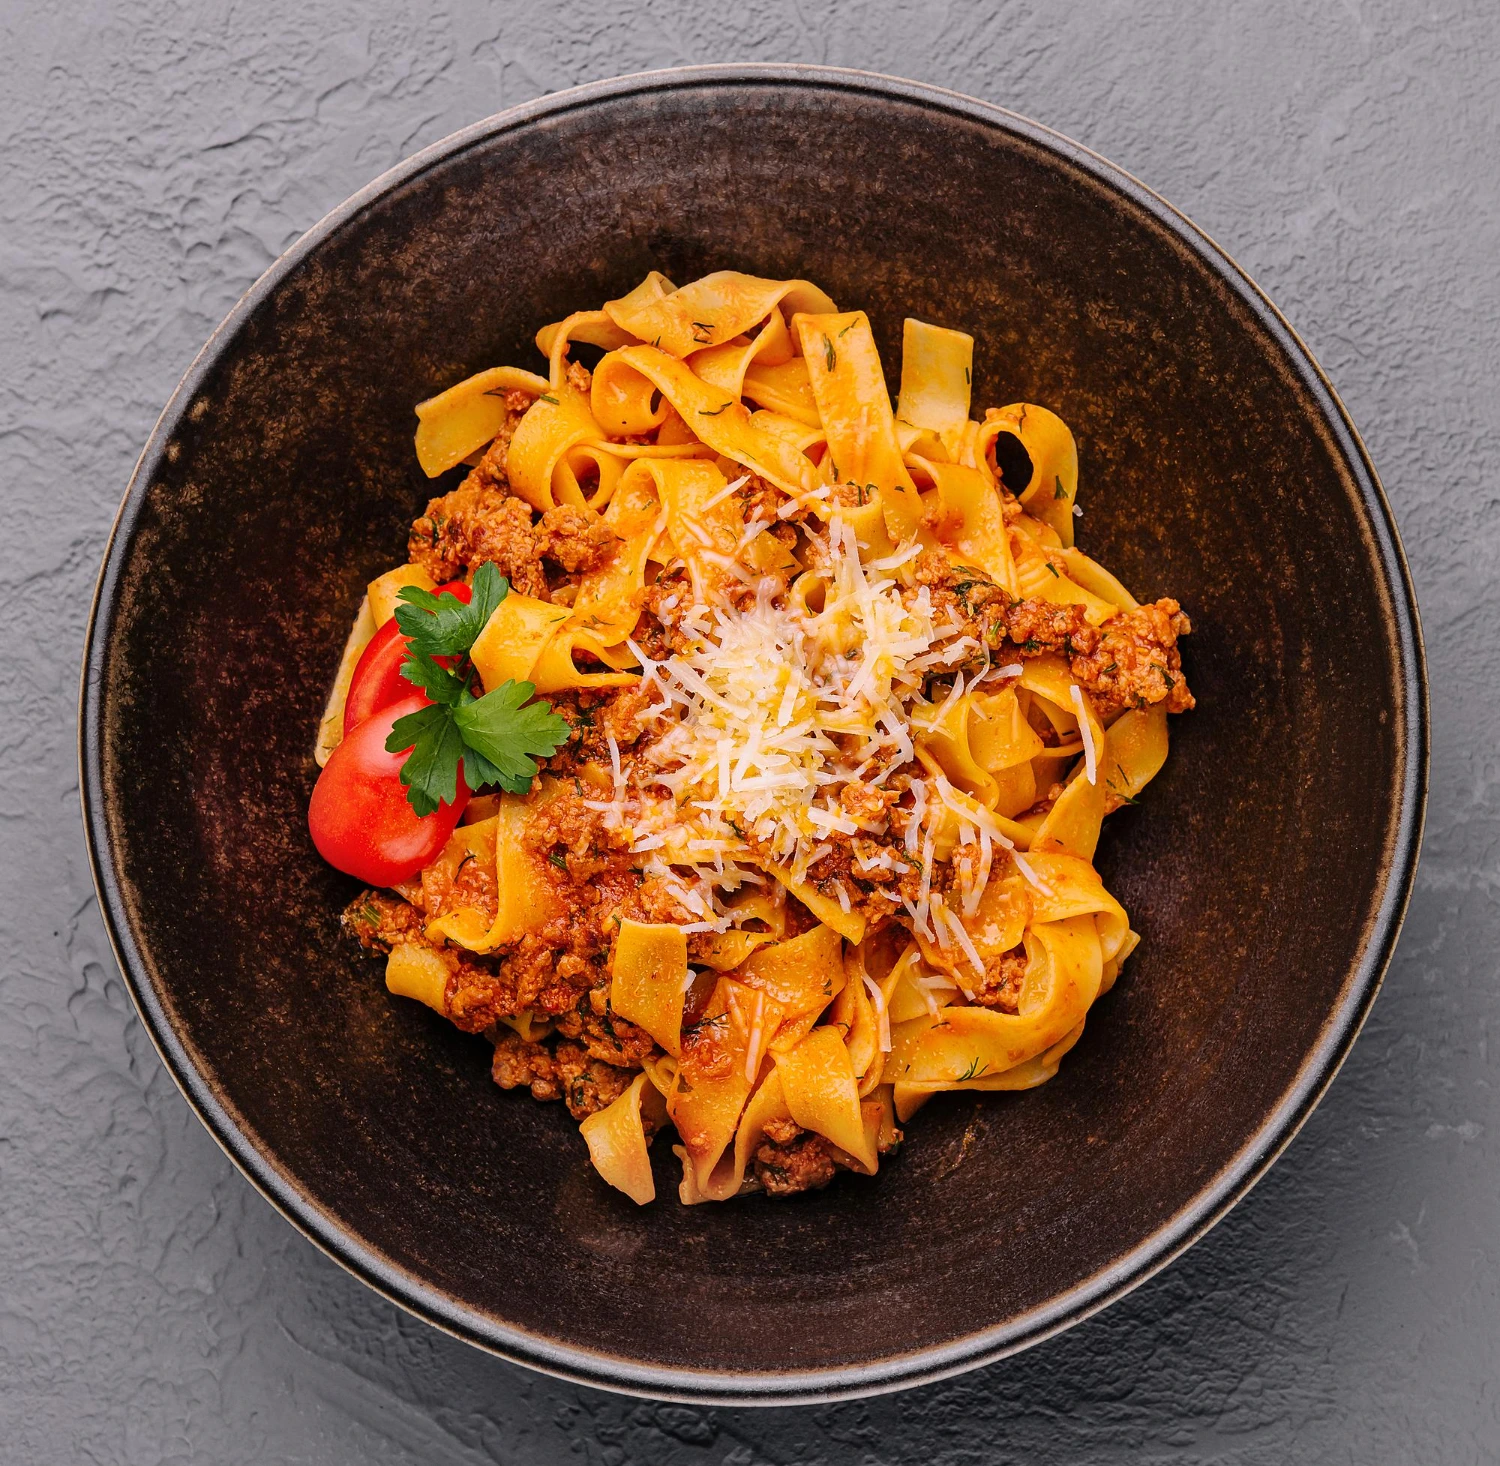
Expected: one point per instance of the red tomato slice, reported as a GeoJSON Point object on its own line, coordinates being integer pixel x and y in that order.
{"type": "Point", "coordinates": [377, 680]}
{"type": "Point", "coordinates": [359, 817]}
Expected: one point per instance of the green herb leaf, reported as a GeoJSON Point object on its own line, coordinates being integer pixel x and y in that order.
{"type": "Point", "coordinates": [430, 772]}
{"type": "Point", "coordinates": [828, 352]}
{"type": "Point", "coordinates": [443, 626]}
{"type": "Point", "coordinates": [405, 732]}
{"type": "Point", "coordinates": [1059, 492]}
{"type": "Point", "coordinates": [437, 682]}
{"type": "Point", "coordinates": [479, 772]}
{"type": "Point", "coordinates": [497, 738]}
{"type": "Point", "coordinates": [509, 732]}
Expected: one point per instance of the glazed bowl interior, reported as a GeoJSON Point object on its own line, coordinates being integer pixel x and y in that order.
{"type": "Point", "coordinates": [1266, 868]}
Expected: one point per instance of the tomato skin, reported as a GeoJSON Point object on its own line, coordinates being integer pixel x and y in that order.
{"type": "Point", "coordinates": [359, 817]}
{"type": "Point", "coordinates": [377, 680]}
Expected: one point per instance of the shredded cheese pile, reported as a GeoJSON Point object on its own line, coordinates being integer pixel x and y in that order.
{"type": "Point", "coordinates": [770, 711]}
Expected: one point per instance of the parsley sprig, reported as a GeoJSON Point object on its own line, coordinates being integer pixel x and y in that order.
{"type": "Point", "coordinates": [496, 738]}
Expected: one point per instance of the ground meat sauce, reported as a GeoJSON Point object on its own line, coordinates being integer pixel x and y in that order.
{"type": "Point", "coordinates": [566, 1071]}
{"type": "Point", "coordinates": [1137, 662]}
{"type": "Point", "coordinates": [1001, 989]}
{"type": "Point", "coordinates": [791, 1159]}
{"type": "Point", "coordinates": [475, 523]}
{"type": "Point", "coordinates": [1129, 662]}
{"type": "Point", "coordinates": [557, 979]}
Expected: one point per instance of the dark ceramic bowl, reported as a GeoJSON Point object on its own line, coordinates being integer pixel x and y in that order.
{"type": "Point", "coordinates": [1268, 867]}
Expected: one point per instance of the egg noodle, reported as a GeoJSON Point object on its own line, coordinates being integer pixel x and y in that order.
{"type": "Point", "coordinates": [848, 710]}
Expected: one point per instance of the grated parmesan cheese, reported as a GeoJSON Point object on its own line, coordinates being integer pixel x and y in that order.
{"type": "Point", "coordinates": [882, 1013]}
{"type": "Point", "coordinates": [769, 702]}
{"type": "Point", "coordinates": [1085, 727]}
{"type": "Point", "coordinates": [964, 940]}
{"type": "Point", "coordinates": [772, 703]}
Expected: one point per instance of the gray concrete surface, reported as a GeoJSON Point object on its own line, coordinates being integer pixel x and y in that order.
{"type": "Point", "coordinates": [157, 157]}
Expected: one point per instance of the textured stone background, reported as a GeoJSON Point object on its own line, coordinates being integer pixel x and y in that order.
{"type": "Point", "coordinates": [157, 157]}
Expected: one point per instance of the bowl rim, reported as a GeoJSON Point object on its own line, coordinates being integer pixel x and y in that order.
{"type": "Point", "coordinates": [898, 1371]}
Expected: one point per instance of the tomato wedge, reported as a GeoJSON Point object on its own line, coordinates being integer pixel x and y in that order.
{"type": "Point", "coordinates": [377, 680]}
{"type": "Point", "coordinates": [359, 817]}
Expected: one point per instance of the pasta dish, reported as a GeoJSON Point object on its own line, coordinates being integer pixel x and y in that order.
{"type": "Point", "coordinates": [733, 747]}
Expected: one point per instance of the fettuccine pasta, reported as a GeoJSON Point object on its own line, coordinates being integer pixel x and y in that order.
{"type": "Point", "coordinates": [846, 707]}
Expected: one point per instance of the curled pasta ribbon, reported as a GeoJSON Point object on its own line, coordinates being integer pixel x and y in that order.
{"type": "Point", "coordinates": [720, 1072]}
{"type": "Point", "coordinates": [530, 640]}
{"type": "Point", "coordinates": [974, 1047]}
{"type": "Point", "coordinates": [969, 519]}
{"type": "Point", "coordinates": [803, 975]}
{"type": "Point", "coordinates": [822, 1092]}
{"type": "Point", "coordinates": [937, 369]}
{"type": "Point", "coordinates": [418, 972]}
{"type": "Point", "coordinates": [1071, 887]}
{"type": "Point", "coordinates": [943, 746]}
{"type": "Point", "coordinates": [998, 921]}
{"type": "Point", "coordinates": [331, 726]}
{"type": "Point", "coordinates": [1038, 578]}
{"type": "Point", "coordinates": [704, 522]}
{"type": "Point", "coordinates": [805, 438]}
{"type": "Point", "coordinates": [383, 594]}
{"type": "Point", "coordinates": [525, 900]}
{"type": "Point", "coordinates": [607, 605]}
{"type": "Point", "coordinates": [1135, 748]}
{"type": "Point", "coordinates": [848, 924]}
{"type": "Point", "coordinates": [861, 1013]}
{"type": "Point", "coordinates": [819, 1082]}
{"type": "Point", "coordinates": [1053, 487]}
{"type": "Point", "coordinates": [1091, 576]}
{"type": "Point", "coordinates": [557, 423]}
{"type": "Point", "coordinates": [624, 402]}
{"type": "Point", "coordinates": [527, 640]}
{"type": "Point", "coordinates": [784, 388]}
{"type": "Point", "coordinates": [724, 951]}
{"type": "Point", "coordinates": [648, 980]}
{"type": "Point", "coordinates": [848, 385]}
{"type": "Point", "coordinates": [1073, 823]}
{"type": "Point", "coordinates": [709, 312]}
{"type": "Point", "coordinates": [593, 328]}
{"type": "Point", "coordinates": [725, 366]}
{"type": "Point", "coordinates": [588, 472]}
{"type": "Point", "coordinates": [617, 1141]}
{"type": "Point", "coordinates": [1005, 745]}
{"type": "Point", "coordinates": [909, 1097]}
{"type": "Point", "coordinates": [459, 422]}
{"type": "Point", "coordinates": [728, 1175]}
{"type": "Point", "coordinates": [723, 423]}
